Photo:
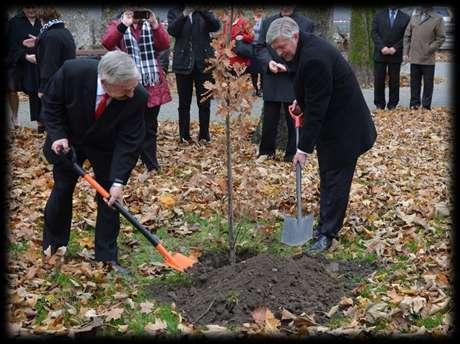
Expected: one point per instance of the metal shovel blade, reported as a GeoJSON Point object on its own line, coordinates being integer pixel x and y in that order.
{"type": "Point", "coordinates": [297, 233]}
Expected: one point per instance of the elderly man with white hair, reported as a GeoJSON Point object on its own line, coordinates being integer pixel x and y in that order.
{"type": "Point", "coordinates": [98, 108]}
{"type": "Point", "coordinates": [337, 122]}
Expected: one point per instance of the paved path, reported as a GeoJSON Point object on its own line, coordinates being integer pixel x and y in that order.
{"type": "Point", "coordinates": [442, 96]}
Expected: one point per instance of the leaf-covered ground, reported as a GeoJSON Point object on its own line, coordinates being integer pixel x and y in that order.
{"type": "Point", "coordinates": [399, 216]}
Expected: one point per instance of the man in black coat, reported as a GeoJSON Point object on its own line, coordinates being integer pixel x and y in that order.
{"type": "Point", "coordinates": [98, 108]}
{"type": "Point", "coordinates": [191, 27]}
{"type": "Point", "coordinates": [337, 121]}
{"type": "Point", "coordinates": [278, 90]}
{"type": "Point", "coordinates": [388, 27]}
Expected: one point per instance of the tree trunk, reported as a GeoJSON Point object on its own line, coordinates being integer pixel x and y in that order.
{"type": "Point", "coordinates": [361, 45]}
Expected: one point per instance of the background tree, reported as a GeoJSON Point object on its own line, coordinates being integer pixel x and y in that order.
{"type": "Point", "coordinates": [361, 44]}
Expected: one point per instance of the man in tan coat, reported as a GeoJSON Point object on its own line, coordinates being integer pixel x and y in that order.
{"type": "Point", "coordinates": [423, 37]}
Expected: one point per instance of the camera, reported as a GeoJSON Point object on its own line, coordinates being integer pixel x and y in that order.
{"type": "Point", "coordinates": [141, 15]}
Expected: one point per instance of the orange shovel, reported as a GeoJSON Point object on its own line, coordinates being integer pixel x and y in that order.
{"type": "Point", "coordinates": [176, 261]}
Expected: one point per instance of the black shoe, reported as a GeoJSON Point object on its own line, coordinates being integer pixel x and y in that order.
{"type": "Point", "coordinates": [391, 108]}
{"type": "Point", "coordinates": [288, 157]}
{"type": "Point", "coordinates": [413, 107]}
{"type": "Point", "coordinates": [270, 156]}
{"type": "Point", "coordinates": [321, 245]}
{"type": "Point", "coordinates": [204, 138]}
{"type": "Point", "coordinates": [41, 129]}
{"type": "Point", "coordinates": [114, 266]}
{"type": "Point", "coordinates": [156, 165]}
{"type": "Point", "coordinates": [187, 141]}
{"type": "Point", "coordinates": [427, 108]}
{"type": "Point", "coordinates": [380, 107]}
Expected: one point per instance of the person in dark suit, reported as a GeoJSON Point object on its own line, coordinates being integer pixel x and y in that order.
{"type": "Point", "coordinates": [191, 27]}
{"type": "Point", "coordinates": [54, 45]}
{"type": "Point", "coordinates": [278, 90]}
{"type": "Point", "coordinates": [98, 108]}
{"type": "Point", "coordinates": [22, 70]}
{"type": "Point", "coordinates": [388, 27]}
{"type": "Point", "coordinates": [337, 121]}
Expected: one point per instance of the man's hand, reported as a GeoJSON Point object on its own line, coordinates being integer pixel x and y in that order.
{"type": "Point", "coordinates": [31, 58]}
{"type": "Point", "coordinates": [295, 108]}
{"type": "Point", "coordinates": [127, 18]}
{"type": "Point", "coordinates": [153, 20]}
{"type": "Point", "coordinates": [40, 94]}
{"type": "Point", "coordinates": [405, 58]}
{"type": "Point", "coordinates": [116, 194]}
{"type": "Point", "coordinates": [60, 145]}
{"type": "Point", "coordinates": [391, 51]}
{"type": "Point", "coordinates": [29, 42]}
{"type": "Point", "coordinates": [276, 67]}
{"type": "Point", "coordinates": [299, 158]}
{"type": "Point", "coordinates": [385, 51]}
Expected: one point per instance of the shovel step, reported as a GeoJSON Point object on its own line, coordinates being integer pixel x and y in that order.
{"type": "Point", "coordinates": [297, 233]}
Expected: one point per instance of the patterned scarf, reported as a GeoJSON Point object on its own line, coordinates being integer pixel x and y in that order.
{"type": "Point", "coordinates": [49, 24]}
{"type": "Point", "coordinates": [143, 54]}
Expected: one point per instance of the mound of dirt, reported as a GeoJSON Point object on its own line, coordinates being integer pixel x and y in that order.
{"type": "Point", "coordinates": [224, 294]}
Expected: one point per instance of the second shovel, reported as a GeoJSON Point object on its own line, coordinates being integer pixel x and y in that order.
{"type": "Point", "coordinates": [297, 230]}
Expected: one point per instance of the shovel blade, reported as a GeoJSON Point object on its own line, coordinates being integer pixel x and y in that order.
{"type": "Point", "coordinates": [180, 262]}
{"type": "Point", "coordinates": [297, 233]}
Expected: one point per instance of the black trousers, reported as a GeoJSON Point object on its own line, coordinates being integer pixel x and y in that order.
{"type": "Point", "coordinates": [334, 194]}
{"type": "Point", "coordinates": [418, 71]}
{"type": "Point", "coordinates": [149, 146]}
{"type": "Point", "coordinates": [272, 112]}
{"type": "Point", "coordinates": [58, 210]}
{"type": "Point", "coordinates": [380, 71]}
{"type": "Point", "coordinates": [35, 105]}
{"type": "Point", "coordinates": [184, 90]}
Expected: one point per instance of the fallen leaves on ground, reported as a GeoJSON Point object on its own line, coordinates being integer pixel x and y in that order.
{"type": "Point", "coordinates": [400, 209]}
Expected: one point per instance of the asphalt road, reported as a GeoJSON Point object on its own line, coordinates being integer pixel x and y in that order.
{"type": "Point", "coordinates": [443, 95]}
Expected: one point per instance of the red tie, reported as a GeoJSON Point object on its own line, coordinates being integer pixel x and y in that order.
{"type": "Point", "coordinates": [101, 106]}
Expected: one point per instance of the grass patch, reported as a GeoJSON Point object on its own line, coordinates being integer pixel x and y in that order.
{"type": "Point", "coordinates": [337, 320]}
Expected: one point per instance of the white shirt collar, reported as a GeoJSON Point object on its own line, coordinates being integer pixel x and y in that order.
{"type": "Point", "coordinates": [100, 90]}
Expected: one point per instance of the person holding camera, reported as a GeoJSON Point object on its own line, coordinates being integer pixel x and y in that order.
{"type": "Point", "coordinates": [138, 32]}
{"type": "Point", "coordinates": [191, 27]}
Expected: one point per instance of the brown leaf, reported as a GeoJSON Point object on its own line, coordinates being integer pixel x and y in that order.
{"type": "Point", "coordinates": [114, 313]}
{"type": "Point", "coordinates": [158, 326]}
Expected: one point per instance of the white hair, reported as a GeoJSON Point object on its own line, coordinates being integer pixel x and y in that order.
{"type": "Point", "coordinates": [117, 66]}
{"type": "Point", "coordinates": [283, 27]}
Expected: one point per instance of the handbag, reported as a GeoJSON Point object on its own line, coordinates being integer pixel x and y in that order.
{"type": "Point", "coordinates": [244, 49]}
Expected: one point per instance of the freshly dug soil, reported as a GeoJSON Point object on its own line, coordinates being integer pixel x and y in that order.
{"type": "Point", "coordinates": [224, 294]}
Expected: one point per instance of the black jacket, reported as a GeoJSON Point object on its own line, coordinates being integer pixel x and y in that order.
{"type": "Point", "coordinates": [68, 112]}
{"type": "Point", "coordinates": [54, 46]}
{"type": "Point", "coordinates": [337, 120]}
{"type": "Point", "coordinates": [385, 36]}
{"type": "Point", "coordinates": [277, 87]}
{"type": "Point", "coordinates": [192, 44]}
{"type": "Point", "coordinates": [18, 30]}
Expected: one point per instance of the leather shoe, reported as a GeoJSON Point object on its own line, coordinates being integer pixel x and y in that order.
{"type": "Point", "coordinates": [322, 244]}
{"type": "Point", "coordinates": [288, 157]}
{"type": "Point", "coordinates": [114, 266]}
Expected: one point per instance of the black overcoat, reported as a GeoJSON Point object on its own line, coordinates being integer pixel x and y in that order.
{"type": "Point", "coordinates": [337, 121]}
{"type": "Point", "coordinates": [68, 112]}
